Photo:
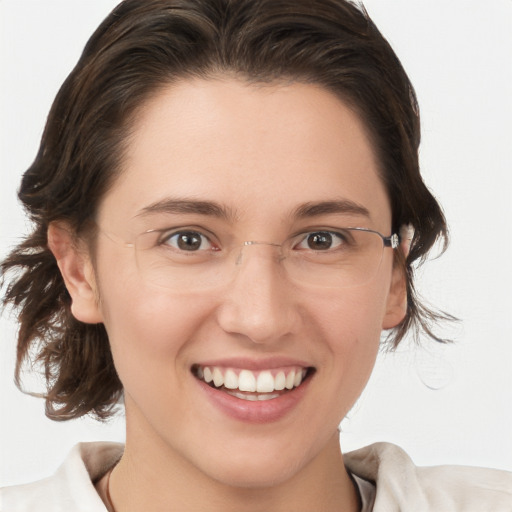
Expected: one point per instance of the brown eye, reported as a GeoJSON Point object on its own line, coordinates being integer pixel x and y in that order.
{"type": "Point", "coordinates": [188, 241]}
{"type": "Point", "coordinates": [320, 241]}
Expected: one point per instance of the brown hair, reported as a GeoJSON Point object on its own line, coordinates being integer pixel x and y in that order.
{"type": "Point", "coordinates": [143, 45]}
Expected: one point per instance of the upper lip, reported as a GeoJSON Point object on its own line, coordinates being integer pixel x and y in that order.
{"type": "Point", "coordinates": [254, 364]}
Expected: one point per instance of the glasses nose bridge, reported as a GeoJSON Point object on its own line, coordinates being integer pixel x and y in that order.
{"type": "Point", "coordinates": [247, 243]}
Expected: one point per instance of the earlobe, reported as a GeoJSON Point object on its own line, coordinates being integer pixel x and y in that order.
{"type": "Point", "coordinates": [77, 272]}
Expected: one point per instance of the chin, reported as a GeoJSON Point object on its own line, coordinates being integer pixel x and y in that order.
{"type": "Point", "coordinates": [256, 476]}
{"type": "Point", "coordinates": [261, 465]}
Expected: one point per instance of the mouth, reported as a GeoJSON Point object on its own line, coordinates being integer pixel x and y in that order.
{"type": "Point", "coordinates": [252, 385]}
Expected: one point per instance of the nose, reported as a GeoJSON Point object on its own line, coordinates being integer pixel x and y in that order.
{"type": "Point", "coordinates": [259, 303]}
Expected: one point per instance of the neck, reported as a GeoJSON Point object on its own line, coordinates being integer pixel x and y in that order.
{"type": "Point", "coordinates": [155, 475]}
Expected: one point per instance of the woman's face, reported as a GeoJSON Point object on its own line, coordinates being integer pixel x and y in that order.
{"type": "Point", "coordinates": [234, 162]}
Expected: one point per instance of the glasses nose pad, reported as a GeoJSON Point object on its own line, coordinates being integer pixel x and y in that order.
{"type": "Point", "coordinates": [239, 257]}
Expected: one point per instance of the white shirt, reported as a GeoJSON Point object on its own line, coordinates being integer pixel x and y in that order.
{"type": "Point", "coordinates": [388, 481]}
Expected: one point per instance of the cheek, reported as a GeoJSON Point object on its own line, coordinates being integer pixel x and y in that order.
{"type": "Point", "coordinates": [351, 326]}
{"type": "Point", "coordinates": [148, 327]}
{"type": "Point", "coordinates": [154, 320]}
{"type": "Point", "coordinates": [356, 347]}
{"type": "Point", "coordinates": [136, 314]}
{"type": "Point", "coordinates": [353, 317]}
{"type": "Point", "coordinates": [151, 332]}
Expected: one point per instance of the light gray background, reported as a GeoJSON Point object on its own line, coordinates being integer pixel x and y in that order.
{"type": "Point", "coordinates": [442, 404]}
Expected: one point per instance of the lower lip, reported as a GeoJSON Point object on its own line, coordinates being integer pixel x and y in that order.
{"type": "Point", "coordinates": [261, 411]}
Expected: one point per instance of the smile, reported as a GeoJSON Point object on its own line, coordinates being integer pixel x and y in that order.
{"type": "Point", "coordinates": [252, 385]}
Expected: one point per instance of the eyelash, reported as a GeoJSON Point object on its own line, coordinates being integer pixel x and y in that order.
{"type": "Point", "coordinates": [335, 237]}
{"type": "Point", "coordinates": [166, 237]}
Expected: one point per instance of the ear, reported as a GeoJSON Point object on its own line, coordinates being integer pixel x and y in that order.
{"type": "Point", "coordinates": [396, 307]}
{"type": "Point", "coordinates": [77, 271]}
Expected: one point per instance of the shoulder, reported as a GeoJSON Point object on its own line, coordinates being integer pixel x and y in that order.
{"type": "Point", "coordinates": [400, 485]}
{"type": "Point", "coordinates": [70, 488]}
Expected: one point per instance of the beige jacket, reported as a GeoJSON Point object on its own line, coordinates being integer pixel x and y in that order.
{"type": "Point", "coordinates": [399, 484]}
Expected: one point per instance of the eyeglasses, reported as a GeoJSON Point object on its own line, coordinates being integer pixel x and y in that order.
{"type": "Point", "coordinates": [191, 259]}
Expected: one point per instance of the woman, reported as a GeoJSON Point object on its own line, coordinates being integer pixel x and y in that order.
{"type": "Point", "coordinates": [228, 206]}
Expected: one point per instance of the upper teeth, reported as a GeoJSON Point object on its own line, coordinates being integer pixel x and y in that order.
{"type": "Point", "coordinates": [265, 381]}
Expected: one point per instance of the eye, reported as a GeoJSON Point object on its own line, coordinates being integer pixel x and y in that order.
{"type": "Point", "coordinates": [190, 241]}
{"type": "Point", "coordinates": [321, 241]}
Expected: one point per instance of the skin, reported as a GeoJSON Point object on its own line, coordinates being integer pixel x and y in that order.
{"type": "Point", "coordinates": [260, 151]}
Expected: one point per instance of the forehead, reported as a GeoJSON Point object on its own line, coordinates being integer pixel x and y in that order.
{"type": "Point", "coordinates": [254, 149]}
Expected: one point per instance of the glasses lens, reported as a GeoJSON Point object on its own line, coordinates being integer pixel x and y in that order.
{"type": "Point", "coordinates": [185, 261]}
{"type": "Point", "coordinates": [344, 259]}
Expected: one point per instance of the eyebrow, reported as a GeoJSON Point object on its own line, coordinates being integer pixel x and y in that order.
{"type": "Point", "coordinates": [187, 206]}
{"type": "Point", "coordinates": [342, 206]}
{"type": "Point", "coordinates": [213, 209]}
